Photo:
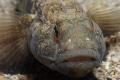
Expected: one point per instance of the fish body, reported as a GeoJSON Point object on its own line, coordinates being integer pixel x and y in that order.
{"type": "Point", "coordinates": [58, 33]}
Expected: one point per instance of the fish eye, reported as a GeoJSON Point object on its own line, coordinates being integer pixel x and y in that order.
{"type": "Point", "coordinates": [57, 32]}
{"type": "Point", "coordinates": [56, 29]}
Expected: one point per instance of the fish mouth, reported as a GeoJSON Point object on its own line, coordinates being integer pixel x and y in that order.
{"type": "Point", "coordinates": [82, 55]}
{"type": "Point", "coordinates": [76, 63]}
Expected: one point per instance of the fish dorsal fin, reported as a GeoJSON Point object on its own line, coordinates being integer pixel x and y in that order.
{"type": "Point", "coordinates": [29, 6]}
{"type": "Point", "coordinates": [108, 18]}
{"type": "Point", "coordinates": [14, 51]}
{"type": "Point", "coordinates": [25, 6]}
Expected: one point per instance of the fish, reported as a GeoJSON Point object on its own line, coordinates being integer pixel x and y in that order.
{"type": "Point", "coordinates": [60, 34]}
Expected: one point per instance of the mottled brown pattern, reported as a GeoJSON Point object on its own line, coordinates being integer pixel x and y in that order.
{"type": "Point", "coordinates": [59, 33]}
{"type": "Point", "coordinates": [75, 38]}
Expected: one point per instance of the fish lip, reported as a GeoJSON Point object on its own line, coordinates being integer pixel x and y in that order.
{"type": "Point", "coordinates": [79, 68]}
{"type": "Point", "coordinates": [78, 52]}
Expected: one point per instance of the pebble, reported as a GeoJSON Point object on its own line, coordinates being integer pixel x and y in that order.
{"type": "Point", "coordinates": [114, 59]}
{"type": "Point", "coordinates": [110, 68]}
{"type": "Point", "coordinates": [13, 77]}
{"type": "Point", "coordinates": [2, 78]}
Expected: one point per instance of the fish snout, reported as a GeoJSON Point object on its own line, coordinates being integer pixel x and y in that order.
{"type": "Point", "coordinates": [76, 63]}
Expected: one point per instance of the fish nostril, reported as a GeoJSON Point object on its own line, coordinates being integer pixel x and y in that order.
{"type": "Point", "coordinates": [80, 59]}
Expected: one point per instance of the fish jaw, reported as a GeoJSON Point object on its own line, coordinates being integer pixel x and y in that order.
{"type": "Point", "coordinates": [76, 63]}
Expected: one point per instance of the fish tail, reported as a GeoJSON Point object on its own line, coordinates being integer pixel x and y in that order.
{"type": "Point", "coordinates": [108, 18]}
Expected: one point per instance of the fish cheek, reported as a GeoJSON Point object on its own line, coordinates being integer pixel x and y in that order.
{"type": "Point", "coordinates": [41, 43]}
{"type": "Point", "coordinates": [100, 42]}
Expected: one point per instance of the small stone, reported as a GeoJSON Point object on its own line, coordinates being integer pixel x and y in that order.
{"type": "Point", "coordinates": [14, 77]}
{"type": "Point", "coordinates": [107, 65]}
{"type": "Point", "coordinates": [2, 78]}
{"type": "Point", "coordinates": [114, 76]}
{"type": "Point", "coordinates": [109, 58]}
{"type": "Point", "coordinates": [118, 66]}
{"type": "Point", "coordinates": [118, 69]}
{"type": "Point", "coordinates": [112, 73]}
{"type": "Point", "coordinates": [118, 77]}
{"type": "Point", "coordinates": [23, 77]}
{"type": "Point", "coordinates": [114, 79]}
{"type": "Point", "coordinates": [114, 59]}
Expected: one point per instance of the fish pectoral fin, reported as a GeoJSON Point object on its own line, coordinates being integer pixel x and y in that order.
{"type": "Point", "coordinates": [108, 18]}
{"type": "Point", "coordinates": [14, 51]}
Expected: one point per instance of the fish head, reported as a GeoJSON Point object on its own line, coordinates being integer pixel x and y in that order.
{"type": "Point", "coordinates": [73, 44]}
{"type": "Point", "coordinates": [72, 47]}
